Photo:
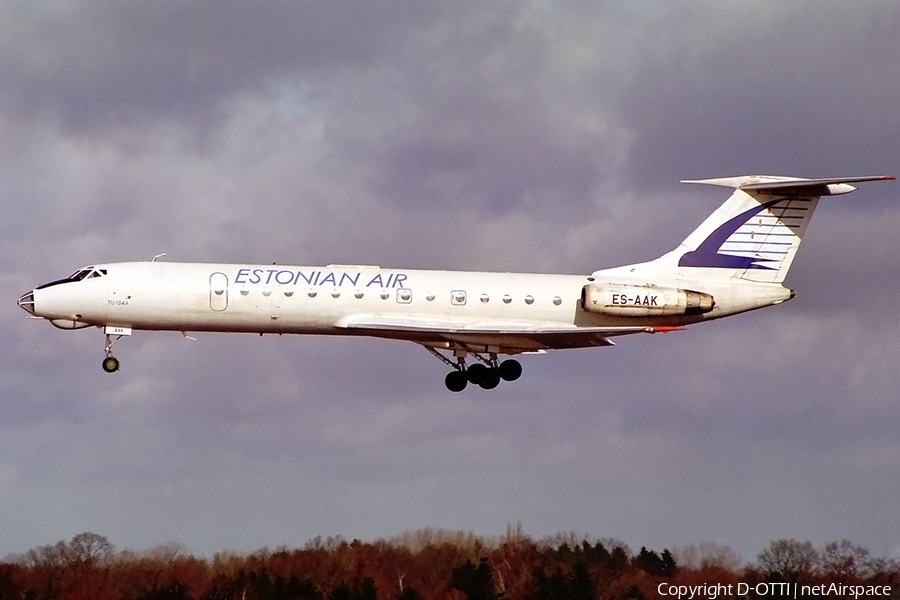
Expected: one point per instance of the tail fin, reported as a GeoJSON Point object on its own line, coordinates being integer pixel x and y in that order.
{"type": "Point", "coordinates": [755, 234]}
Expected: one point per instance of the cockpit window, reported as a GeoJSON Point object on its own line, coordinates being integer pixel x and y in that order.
{"type": "Point", "coordinates": [80, 274]}
{"type": "Point", "coordinates": [85, 273]}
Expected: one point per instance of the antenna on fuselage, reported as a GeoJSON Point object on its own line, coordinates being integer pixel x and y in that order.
{"type": "Point", "coordinates": [158, 256]}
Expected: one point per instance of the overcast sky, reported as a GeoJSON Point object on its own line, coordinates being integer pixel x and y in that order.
{"type": "Point", "coordinates": [507, 136]}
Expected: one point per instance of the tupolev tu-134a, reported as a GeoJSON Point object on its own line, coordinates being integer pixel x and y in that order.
{"type": "Point", "coordinates": [735, 261]}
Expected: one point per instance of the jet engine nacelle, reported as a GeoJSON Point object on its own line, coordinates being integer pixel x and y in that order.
{"type": "Point", "coordinates": [643, 301]}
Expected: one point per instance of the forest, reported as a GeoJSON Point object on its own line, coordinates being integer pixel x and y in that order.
{"type": "Point", "coordinates": [432, 564]}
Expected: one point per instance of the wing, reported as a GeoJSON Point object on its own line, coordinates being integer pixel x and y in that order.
{"type": "Point", "coordinates": [510, 337]}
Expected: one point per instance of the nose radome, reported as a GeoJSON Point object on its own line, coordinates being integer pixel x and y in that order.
{"type": "Point", "coordinates": [27, 302]}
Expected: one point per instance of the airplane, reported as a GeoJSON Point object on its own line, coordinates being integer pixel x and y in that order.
{"type": "Point", "coordinates": [735, 261]}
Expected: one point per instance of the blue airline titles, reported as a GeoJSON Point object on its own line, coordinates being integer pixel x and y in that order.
{"type": "Point", "coordinates": [337, 279]}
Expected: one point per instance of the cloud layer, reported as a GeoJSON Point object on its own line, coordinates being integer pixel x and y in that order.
{"type": "Point", "coordinates": [538, 137]}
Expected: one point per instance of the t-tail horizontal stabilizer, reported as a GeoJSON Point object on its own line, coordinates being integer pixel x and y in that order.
{"type": "Point", "coordinates": [829, 186]}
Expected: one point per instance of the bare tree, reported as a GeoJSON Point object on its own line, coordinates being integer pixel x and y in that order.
{"type": "Point", "coordinates": [789, 558]}
{"type": "Point", "coordinates": [90, 549]}
{"type": "Point", "coordinates": [707, 555]}
{"type": "Point", "coordinates": [718, 555]}
{"type": "Point", "coordinates": [845, 560]}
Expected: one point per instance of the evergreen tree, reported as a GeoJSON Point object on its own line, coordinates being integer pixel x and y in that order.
{"type": "Point", "coordinates": [364, 591]}
{"type": "Point", "coordinates": [635, 593]}
{"type": "Point", "coordinates": [341, 591]}
{"type": "Point", "coordinates": [296, 589]}
{"type": "Point", "coordinates": [174, 591]}
{"type": "Point", "coordinates": [548, 587]}
{"type": "Point", "coordinates": [649, 562]}
{"type": "Point", "coordinates": [618, 560]}
{"type": "Point", "coordinates": [581, 583]}
{"type": "Point", "coordinates": [476, 582]}
{"type": "Point", "coordinates": [669, 567]}
{"type": "Point", "coordinates": [576, 585]}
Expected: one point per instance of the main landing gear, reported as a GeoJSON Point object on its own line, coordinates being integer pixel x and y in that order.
{"type": "Point", "coordinates": [487, 373]}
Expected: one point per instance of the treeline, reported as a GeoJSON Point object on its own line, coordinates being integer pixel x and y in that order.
{"type": "Point", "coordinates": [426, 564]}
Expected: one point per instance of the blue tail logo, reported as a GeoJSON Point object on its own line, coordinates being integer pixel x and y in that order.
{"type": "Point", "coordinates": [707, 254]}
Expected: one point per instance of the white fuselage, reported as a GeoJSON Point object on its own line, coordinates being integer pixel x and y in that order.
{"type": "Point", "coordinates": [320, 300]}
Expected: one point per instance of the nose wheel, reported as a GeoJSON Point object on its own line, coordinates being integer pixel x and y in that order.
{"type": "Point", "coordinates": [111, 363]}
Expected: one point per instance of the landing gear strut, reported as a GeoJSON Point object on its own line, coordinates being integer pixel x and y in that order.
{"type": "Point", "coordinates": [486, 374]}
{"type": "Point", "coordinates": [111, 363]}
{"type": "Point", "coordinates": [113, 335]}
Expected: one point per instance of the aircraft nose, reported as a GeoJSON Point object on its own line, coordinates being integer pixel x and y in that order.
{"type": "Point", "coordinates": [27, 302]}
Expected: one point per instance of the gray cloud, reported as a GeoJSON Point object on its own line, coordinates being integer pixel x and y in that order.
{"type": "Point", "coordinates": [762, 88]}
{"type": "Point", "coordinates": [536, 137]}
{"type": "Point", "coordinates": [98, 65]}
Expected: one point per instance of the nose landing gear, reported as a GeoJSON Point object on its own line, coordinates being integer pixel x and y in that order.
{"type": "Point", "coordinates": [486, 374]}
{"type": "Point", "coordinates": [111, 363]}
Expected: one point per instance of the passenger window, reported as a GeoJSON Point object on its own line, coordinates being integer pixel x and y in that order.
{"type": "Point", "coordinates": [384, 295]}
{"type": "Point", "coordinates": [485, 298]}
{"type": "Point", "coordinates": [404, 295]}
{"type": "Point", "coordinates": [458, 298]}
{"type": "Point", "coordinates": [429, 296]}
{"type": "Point", "coordinates": [507, 299]}
{"type": "Point", "coordinates": [358, 295]}
{"type": "Point", "coordinates": [311, 293]}
{"type": "Point", "coordinates": [557, 300]}
{"type": "Point", "coordinates": [529, 299]}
